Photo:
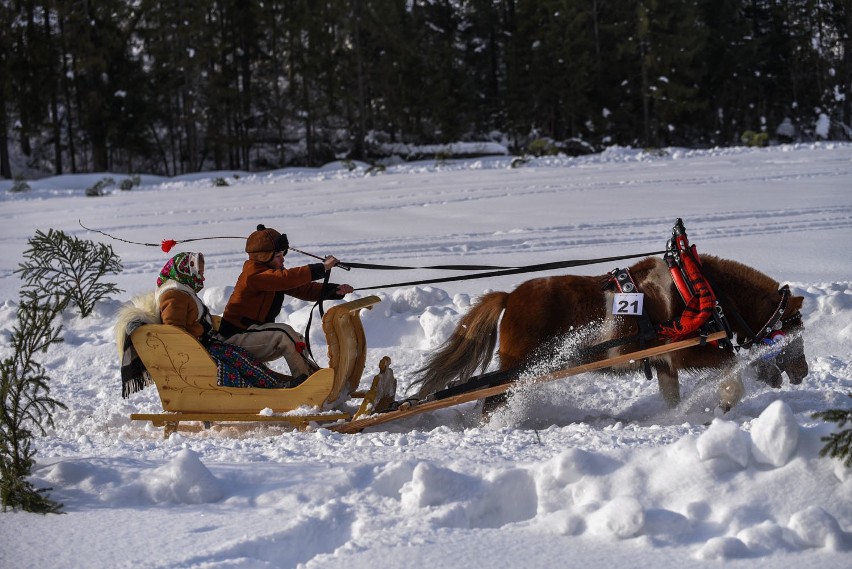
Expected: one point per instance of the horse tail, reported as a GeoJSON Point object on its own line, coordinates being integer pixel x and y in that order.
{"type": "Point", "coordinates": [470, 346]}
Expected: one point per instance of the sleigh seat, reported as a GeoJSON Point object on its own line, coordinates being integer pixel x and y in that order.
{"type": "Point", "coordinates": [186, 378]}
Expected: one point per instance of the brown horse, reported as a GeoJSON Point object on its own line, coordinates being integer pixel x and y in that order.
{"type": "Point", "coordinates": [547, 322]}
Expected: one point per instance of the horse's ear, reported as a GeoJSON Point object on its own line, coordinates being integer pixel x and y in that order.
{"type": "Point", "coordinates": [795, 304]}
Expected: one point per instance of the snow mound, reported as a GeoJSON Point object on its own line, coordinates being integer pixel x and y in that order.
{"type": "Point", "coordinates": [775, 435]}
{"type": "Point", "coordinates": [183, 480]}
{"type": "Point", "coordinates": [724, 440]}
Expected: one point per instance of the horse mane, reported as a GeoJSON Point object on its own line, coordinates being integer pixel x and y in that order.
{"type": "Point", "coordinates": [751, 292]}
{"type": "Point", "coordinates": [736, 274]}
{"type": "Point", "coordinates": [641, 268]}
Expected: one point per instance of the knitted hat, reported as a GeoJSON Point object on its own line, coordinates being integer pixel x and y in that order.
{"type": "Point", "coordinates": [261, 244]}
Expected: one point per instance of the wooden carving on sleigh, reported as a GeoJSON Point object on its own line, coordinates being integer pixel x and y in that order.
{"type": "Point", "coordinates": [561, 320]}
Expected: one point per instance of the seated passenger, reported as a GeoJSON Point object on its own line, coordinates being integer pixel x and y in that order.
{"type": "Point", "coordinates": [260, 291]}
{"type": "Point", "coordinates": [179, 305]}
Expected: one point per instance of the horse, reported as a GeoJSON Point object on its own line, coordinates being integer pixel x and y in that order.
{"type": "Point", "coordinates": [544, 318]}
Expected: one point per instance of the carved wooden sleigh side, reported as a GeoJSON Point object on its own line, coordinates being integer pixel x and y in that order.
{"type": "Point", "coordinates": [185, 376]}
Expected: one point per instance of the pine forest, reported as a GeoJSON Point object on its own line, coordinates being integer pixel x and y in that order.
{"type": "Point", "coordinates": [179, 86]}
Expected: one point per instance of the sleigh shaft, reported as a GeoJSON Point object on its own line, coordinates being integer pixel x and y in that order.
{"type": "Point", "coordinates": [482, 393]}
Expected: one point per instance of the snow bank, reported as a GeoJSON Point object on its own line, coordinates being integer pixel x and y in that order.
{"type": "Point", "coordinates": [651, 495]}
{"type": "Point", "coordinates": [707, 493]}
{"type": "Point", "coordinates": [594, 469]}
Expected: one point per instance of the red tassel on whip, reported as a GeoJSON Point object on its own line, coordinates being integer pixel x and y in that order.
{"type": "Point", "coordinates": [166, 244]}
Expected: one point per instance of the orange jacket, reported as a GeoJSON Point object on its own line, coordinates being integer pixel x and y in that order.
{"type": "Point", "coordinates": [259, 293]}
{"type": "Point", "coordinates": [179, 309]}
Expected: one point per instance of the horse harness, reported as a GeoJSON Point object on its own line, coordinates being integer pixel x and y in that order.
{"type": "Point", "coordinates": [703, 311]}
{"type": "Point", "coordinates": [771, 333]}
{"type": "Point", "coordinates": [622, 281]}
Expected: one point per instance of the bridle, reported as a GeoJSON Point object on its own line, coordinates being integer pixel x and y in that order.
{"type": "Point", "coordinates": [773, 330]}
{"type": "Point", "coordinates": [772, 334]}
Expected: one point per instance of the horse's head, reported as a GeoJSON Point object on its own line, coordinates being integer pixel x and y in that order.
{"type": "Point", "coordinates": [764, 317]}
{"type": "Point", "coordinates": [783, 349]}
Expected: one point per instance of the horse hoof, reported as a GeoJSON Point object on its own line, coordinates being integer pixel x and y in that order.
{"type": "Point", "coordinates": [730, 392]}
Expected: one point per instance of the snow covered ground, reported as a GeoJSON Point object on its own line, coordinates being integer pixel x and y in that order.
{"type": "Point", "coordinates": [589, 471]}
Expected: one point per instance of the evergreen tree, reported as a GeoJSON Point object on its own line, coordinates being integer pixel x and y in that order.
{"type": "Point", "coordinates": [106, 78]}
{"type": "Point", "coordinates": [182, 62]}
{"type": "Point", "coordinates": [443, 101]}
{"type": "Point", "coordinates": [6, 19]}
{"type": "Point", "coordinates": [393, 68]}
{"type": "Point", "coordinates": [71, 269]}
{"type": "Point", "coordinates": [676, 35]}
{"type": "Point", "coordinates": [481, 33]}
{"type": "Point", "coordinates": [272, 106]}
{"type": "Point", "coordinates": [176, 87]}
{"type": "Point", "coordinates": [29, 69]}
{"type": "Point", "coordinates": [840, 27]}
{"type": "Point", "coordinates": [726, 57]}
{"type": "Point", "coordinates": [27, 405]}
{"type": "Point", "coordinates": [838, 444]}
{"type": "Point", "coordinates": [561, 67]}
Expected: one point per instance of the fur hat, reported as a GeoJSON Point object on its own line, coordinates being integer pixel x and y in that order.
{"type": "Point", "coordinates": [263, 243]}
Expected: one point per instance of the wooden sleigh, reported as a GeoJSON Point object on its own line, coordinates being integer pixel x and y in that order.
{"type": "Point", "coordinates": [185, 376]}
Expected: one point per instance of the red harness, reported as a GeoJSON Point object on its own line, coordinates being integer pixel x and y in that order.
{"type": "Point", "coordinates": [702, 305]}
{"type": "Point", "coordinates": [703, 312]}
{"type": "Point", "coordinates": [697, 294]}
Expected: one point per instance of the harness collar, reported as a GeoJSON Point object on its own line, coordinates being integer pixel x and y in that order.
{"type": "Point", "coordinates": [622, 280]}
{"type": "Point", "coordinates": [702, 312]}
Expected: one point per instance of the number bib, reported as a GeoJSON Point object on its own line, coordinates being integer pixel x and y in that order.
{"type": "Point", "coordinates": [628, 304]}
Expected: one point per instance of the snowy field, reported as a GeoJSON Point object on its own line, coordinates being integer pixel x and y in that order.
{"type": "Point", "coordinates": [590, 471]}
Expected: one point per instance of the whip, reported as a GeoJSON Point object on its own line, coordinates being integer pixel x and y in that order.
{"type": "Point", "coordinates": [166, 245]}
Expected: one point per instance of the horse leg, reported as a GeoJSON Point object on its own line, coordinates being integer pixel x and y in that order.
{"type": "Point", "coordinates": [493, 404]}
{"type": "Point", "coordinates": [767, 371]}
{"type": "Point", "coordinates": [667, 379]}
